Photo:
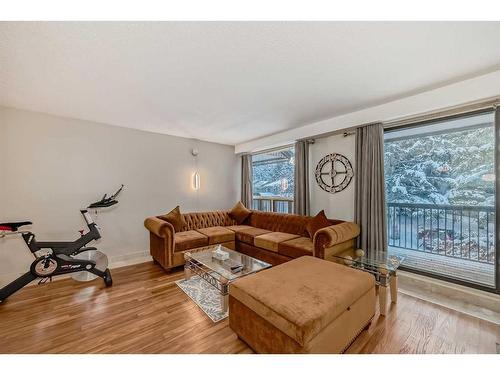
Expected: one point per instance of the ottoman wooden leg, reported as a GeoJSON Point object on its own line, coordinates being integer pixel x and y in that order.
{"type": "Point", "coordinates": [382, 298]}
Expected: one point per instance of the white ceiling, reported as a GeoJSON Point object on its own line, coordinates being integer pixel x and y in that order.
{"type": "Point", "coordinates": [230, 82]}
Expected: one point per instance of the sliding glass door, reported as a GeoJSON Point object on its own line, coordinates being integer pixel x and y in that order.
{"type": "Point", "coordinates": [440, 187]}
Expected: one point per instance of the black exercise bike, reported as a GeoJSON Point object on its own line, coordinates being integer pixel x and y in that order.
{"type": "Point", "coordinates": [62, 257]}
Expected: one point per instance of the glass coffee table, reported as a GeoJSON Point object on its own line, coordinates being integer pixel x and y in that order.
{"type": "Point", "coordinates": [220, 273]}
{"type": "Point", "coordinates": [381, 265]}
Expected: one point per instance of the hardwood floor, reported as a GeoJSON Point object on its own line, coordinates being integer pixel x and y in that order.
{"type": "Point", "coordinates": [145, 312]}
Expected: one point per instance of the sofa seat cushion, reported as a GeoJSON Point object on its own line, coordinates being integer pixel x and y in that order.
{"type": "Point", "coordinates": [238, 228]}
{"type": "Point", "coordinates": [303, 296]}
{"type": "Point", "coordinates": [247, 235]}
{"type": "Point", "coordinates": [296, 247]}
{"type": "Point", "coordinates": [217, 234]}
{"type": "Point", "coordinates": [189, 239]}
{"type": "Point", "coordinates": [270, 241]}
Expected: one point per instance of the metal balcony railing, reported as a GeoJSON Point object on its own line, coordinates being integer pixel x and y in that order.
{"type": "Point", "coordinates": [465, 232]}
{"type": "Point", "coordinates": [273, 204]}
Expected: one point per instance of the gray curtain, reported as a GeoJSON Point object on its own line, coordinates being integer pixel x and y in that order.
{"type": "Point", "coordinates": [369, 199]}
{"type": "Point", "coordinates": [246, 181]}
{"type": "Point", "coordinates": [301, 176]}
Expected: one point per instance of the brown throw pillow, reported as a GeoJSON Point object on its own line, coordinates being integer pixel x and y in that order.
{"type": "Point", "coordinates": [239, 213]}
{"type": "Point", "coordinates": [316, 223]}
{"type": "Point", "coordinates": [175, 218]}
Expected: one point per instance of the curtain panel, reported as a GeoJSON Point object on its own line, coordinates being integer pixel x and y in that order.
{"type": "Point", "coordinates": [246, 181]}
{"type": "Point", "coordinates": [369, 199]}
{"type": "Point", "coordinates": [301, 179]}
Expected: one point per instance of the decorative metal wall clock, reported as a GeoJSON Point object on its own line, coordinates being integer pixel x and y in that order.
{"type": "Point", "coordinates": [334, 173]}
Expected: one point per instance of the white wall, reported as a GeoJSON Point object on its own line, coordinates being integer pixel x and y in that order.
{"type": "Point", "coordinates": [338, 205]}
{"type": "Point", "coordinates": [53, 166]}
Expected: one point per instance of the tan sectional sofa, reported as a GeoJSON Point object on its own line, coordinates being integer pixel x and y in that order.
{"type": "Point", "coordinates": [272, 237]}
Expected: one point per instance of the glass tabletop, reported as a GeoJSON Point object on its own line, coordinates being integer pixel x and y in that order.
{"type": "Point", "coordinates": [245, 264]}
{"type": "Point", "coordinates": [372, 259]}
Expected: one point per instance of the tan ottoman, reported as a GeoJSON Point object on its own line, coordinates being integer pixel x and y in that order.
{"type": "Point", "coordinates": [307, 305]}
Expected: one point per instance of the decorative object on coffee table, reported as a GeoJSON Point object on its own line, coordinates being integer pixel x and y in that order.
{"type": "Point", "coordinates": [383, 266]}
{"type": "Point", "coordinates": [220, 254]}
{"type": "Point", "coordinates": [220, 273]}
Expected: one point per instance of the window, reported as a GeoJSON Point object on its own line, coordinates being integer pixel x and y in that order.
{"type": "Point", "coordinates": [440, 188]}
{"type": "Point", "coordinates": [273, 180]}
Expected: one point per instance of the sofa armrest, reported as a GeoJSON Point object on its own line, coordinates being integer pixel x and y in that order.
{"type": "Point", "coordinates": [161, 241]}
{"type": "Point", "coordinates": [160, 228]}
{"type": "Point", "coordinates": [334, 235]}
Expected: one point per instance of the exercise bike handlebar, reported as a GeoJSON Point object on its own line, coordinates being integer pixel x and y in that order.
{"type": "Point", "coordinates": [63, 247]}
{"type": "Point", "coordinates": [12, 227]}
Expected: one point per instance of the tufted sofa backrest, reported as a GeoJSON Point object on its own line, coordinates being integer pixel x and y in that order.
{"type": "Point", "coordinates": [199, 220]}
{"type": "Point", "coordinates": [273, 221]}
{"type": "Point", "coordinates": [277, 222]}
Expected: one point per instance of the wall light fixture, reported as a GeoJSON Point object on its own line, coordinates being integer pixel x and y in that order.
{"type": "Point", "coordinates": [196, 180]}
{"type": "Point", "coordinates": [196, 175]}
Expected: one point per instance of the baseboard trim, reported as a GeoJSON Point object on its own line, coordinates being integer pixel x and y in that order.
{"type": "Point", "coordinates": [477, 303]}
{"type": "Point", "coordinates": [116, 261]}
{"type": "Point", "coordinates": [129, 259]}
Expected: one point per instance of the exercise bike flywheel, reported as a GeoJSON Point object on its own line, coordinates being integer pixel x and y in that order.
{"type": "Point", "coordinates": [100, 259]}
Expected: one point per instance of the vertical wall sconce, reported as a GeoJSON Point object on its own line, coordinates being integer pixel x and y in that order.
{"type": "Point", "coordinates": [196, 174]}
{"type": "Point", "coordinates": [196, 180]}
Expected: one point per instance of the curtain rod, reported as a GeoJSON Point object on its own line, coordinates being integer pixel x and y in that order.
{"type": "Point", "coordinates": [478, 106]}
{"type": "Point", "coordinates": [288, 145]}
{"type": "Point", "coordinates": [402, 121]}
{"type": "Point", "coordinates": [423, 117]}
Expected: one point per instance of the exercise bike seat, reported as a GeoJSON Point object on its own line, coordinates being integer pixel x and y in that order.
{"type": "Point", "coordinates": [13, 227]}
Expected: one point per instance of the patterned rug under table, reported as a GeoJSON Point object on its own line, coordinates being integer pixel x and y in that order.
{"type": "Point", "coordinates": [205, 296]}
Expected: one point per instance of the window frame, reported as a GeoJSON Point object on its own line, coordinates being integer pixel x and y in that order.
{"type": "Point", "coordinates": [496, 127]}
{"type": "Point", "coordinates": [273, 199]}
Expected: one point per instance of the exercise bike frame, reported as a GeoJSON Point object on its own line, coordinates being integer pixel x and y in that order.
{"type": "Point", "coordinates": [66, 248]}
{"type": "Point", "coordinates": [61, 253]}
